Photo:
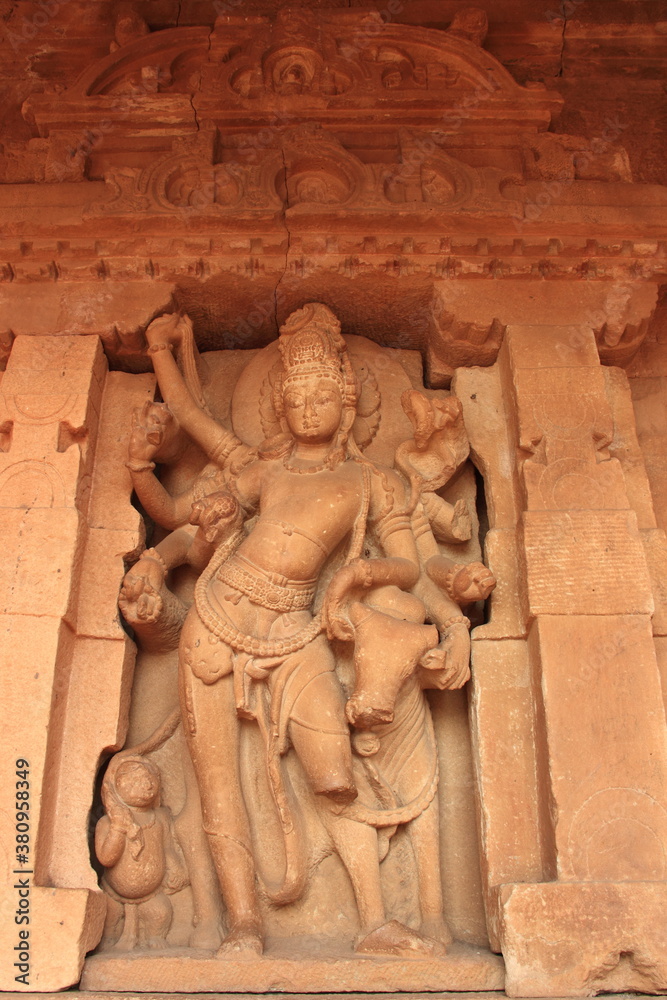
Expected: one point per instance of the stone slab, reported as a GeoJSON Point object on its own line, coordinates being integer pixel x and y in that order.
{"type": "Point", "coordinates": [598, 691]}
{"type": "Point", "coordinates": [439, 995]}
{"type": "Point", "coordinates": [574, 939]}
{"type": "Point", "coordinates": [503, 740]}
{"type": "Point", "coordinates": [464, 969]}
{"type": "Point", "coordinates": [584, 561]}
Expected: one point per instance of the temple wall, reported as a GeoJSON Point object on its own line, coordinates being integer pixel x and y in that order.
{"type": "Point", "coordinates": [497, 231]}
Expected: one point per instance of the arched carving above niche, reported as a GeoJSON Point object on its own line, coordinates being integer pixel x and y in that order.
{"type": "Point", "coordinates": [310, 63]}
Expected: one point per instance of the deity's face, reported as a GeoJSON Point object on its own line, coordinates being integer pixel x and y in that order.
{"type": "Point", "coordinates": [137, 785]}
{"type": "Point", "coordinates": [313, 408]}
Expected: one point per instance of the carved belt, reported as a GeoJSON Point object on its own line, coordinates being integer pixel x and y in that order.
{"type": "Point", "coordinates": [268, 590]}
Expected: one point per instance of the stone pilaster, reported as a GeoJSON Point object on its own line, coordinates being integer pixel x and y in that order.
{"type": "Point", "coordinates": [593, 921]}
{"type": "Point", "coordinates": [65, 672]}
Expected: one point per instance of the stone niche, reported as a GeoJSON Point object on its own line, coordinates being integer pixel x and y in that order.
{"type": "Point", "coordinates": [331, 467]}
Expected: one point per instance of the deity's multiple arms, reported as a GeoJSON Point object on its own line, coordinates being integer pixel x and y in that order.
{"type": "Point", "coordinates": [163, 335]}
{"type": "Point", "coordinates": [160, 431]}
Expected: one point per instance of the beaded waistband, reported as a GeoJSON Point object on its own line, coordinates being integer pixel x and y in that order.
{"type": "Point", "coordinates": [268, 590]}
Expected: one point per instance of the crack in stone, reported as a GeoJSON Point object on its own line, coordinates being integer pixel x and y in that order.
{"type": "Point", "coordinates": [192, 96]}
{"type": "Point", "coordinates": [289, 242]}
{"type": "Point", "coordinates": [561, 70]}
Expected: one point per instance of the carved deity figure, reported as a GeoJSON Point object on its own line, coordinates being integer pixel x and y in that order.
{"type": "Point", "coordinates": [335, 550]}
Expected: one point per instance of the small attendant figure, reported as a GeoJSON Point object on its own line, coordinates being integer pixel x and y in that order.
{"type": "Point", "coordinates": [135, 843]}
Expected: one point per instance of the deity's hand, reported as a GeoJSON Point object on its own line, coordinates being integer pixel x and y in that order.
{"type": "Point", "coordinates": [217, 514]}
{"type": "Point", "coordinates": [447, 666]}
{"type": "Point", "coordinates": [154, 431]}
{"type": "Point", "coordinates": [357, 575]}
{"type": "Point", "coordinates": [168, 329]}
{"type": "Point", "coordinates": [474, 582]}
{"type": "Point", "coordinates": [139, 598]}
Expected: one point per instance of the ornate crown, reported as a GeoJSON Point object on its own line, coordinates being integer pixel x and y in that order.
{"type": "Point", "coordinates": [311, 344]}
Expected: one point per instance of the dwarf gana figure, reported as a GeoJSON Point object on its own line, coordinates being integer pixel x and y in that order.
{"type": "Point", "coordinates": [134, 841]}
{"type": "Point", "coordinates": [256, 642]}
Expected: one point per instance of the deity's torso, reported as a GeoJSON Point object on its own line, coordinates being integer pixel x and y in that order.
{"type": "Point", "coordinates": [302, 517]}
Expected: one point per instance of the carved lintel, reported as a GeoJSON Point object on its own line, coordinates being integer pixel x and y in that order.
{"type": "Point", "coordinates": [308, 63]}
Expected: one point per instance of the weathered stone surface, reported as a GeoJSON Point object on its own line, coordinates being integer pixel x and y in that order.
{"type": "Point", "coordinates": [506, 614]}
{"type": "Point", "coordinates": [601, 936]}
{"type": "Point", "coordinates": [590, 560]}
{"type": "Point", "coordinates": [466, 969]}
{"type": "Point", "coordinates": [650, 408]}
{"type": "Point", "coordinates": [504, 738]}
{"type": "Point", "coordinates": [598, 693]}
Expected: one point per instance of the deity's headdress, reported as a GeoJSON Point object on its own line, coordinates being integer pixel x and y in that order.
{"type": "Point", "coordinates": [311, 346]}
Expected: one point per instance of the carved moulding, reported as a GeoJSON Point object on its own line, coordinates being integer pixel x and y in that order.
{"type": "Point", "coordinates": [306, 172]}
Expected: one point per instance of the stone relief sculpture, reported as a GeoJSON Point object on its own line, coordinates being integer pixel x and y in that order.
{"type": "Point", "coordinates": [135, 842]}
{"type": "Point", "coordinates": [324, 606]}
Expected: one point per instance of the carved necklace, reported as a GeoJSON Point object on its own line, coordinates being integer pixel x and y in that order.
{"type": "Point", "coordinates": [308, 470]}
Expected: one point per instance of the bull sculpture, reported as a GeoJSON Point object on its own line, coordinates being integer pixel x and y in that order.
{"type": "Point", "coordinates": [396, 657]}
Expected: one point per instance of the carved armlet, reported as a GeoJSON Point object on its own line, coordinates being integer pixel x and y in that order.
{"type": "Point", "coordinates": [135, 465]}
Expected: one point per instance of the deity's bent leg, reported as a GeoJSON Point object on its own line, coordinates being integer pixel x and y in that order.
{"type": "Point", "coordinates": [318, 729]}
{"type": "Point", "coordinates": [357, 847]}
{"type": "Point", "coordinates": [113, 924]}
{"type": "Point", "coordinates": [212, 730]}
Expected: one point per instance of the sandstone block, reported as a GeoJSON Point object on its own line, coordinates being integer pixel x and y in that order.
{"type": "Point", "coordinates": [585, 561]}
{"type": "Point", "coordinates": [504, 735]}
{"type": "Point", "coordinates": [603, 745]}
{"type": "Point", "coordinates": [506, 619]}
{"type": "Point", "coordinates": [574, 939]}
{"type": "Point", "coordinates": [102, 570]}
{"type": "Point", "coordinates": [485, 415]}
{"type": "Point", "coordinates": [42, 549]}
{"type": "Point", "coordinates": [99, 683]}
{"type": "Point", "coordinates": [65, 925]}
